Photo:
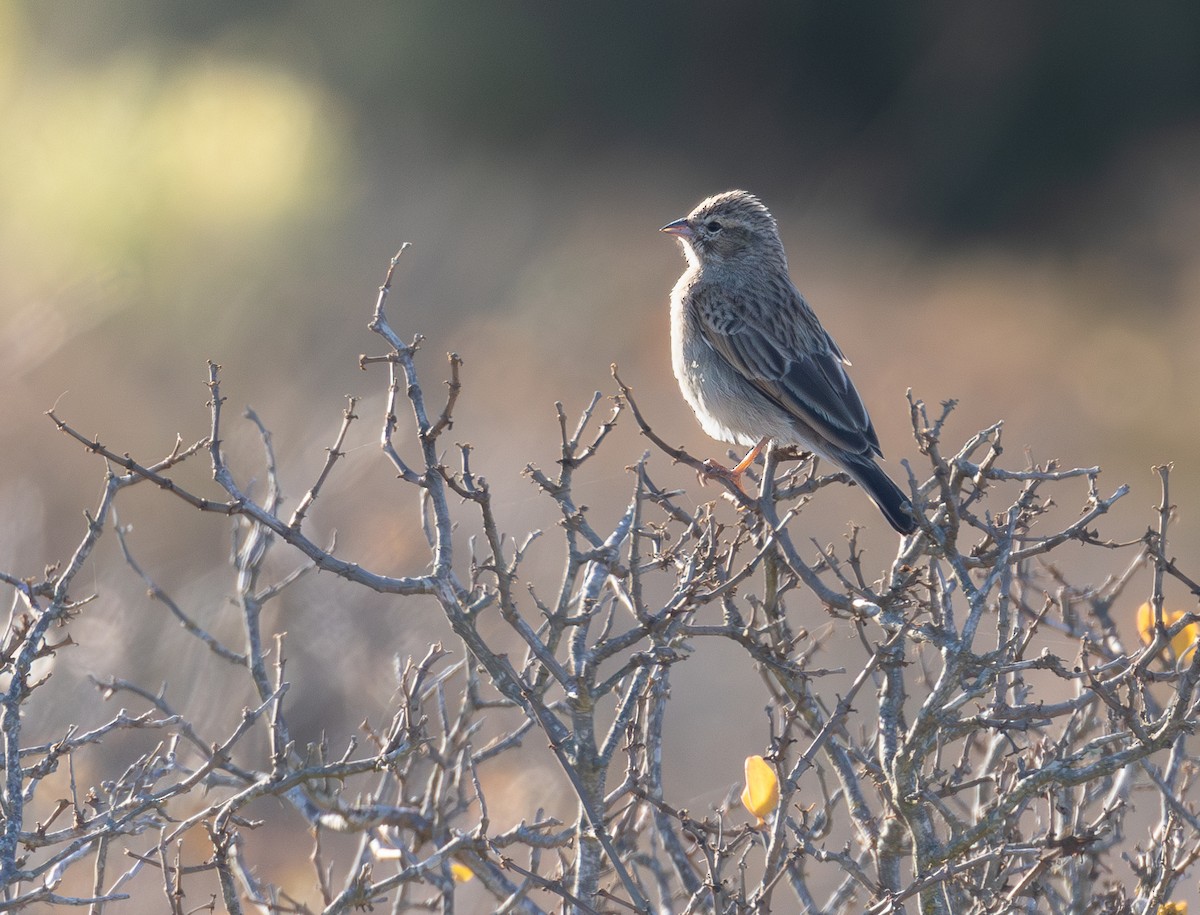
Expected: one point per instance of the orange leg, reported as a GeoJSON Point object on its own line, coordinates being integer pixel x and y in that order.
{"type": "Point", "coordinates": [750, 458]}
{"type": "Point", "coordinates": [713, 469]}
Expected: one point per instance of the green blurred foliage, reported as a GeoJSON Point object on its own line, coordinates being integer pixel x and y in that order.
{"type": "Point", "coordinates": [147, 156]}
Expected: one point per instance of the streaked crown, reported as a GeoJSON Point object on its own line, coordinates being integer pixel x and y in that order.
{"type": "Point", "coordinates": [728, 228]}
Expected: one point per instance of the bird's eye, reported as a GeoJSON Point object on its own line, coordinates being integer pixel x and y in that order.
{"type": "Point", "coordinates": [713, 226]}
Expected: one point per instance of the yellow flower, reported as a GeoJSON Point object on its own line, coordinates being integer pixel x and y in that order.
{"type": "Point", "coordinates": [1173, 908]}
{"type": "Point", "coordinates": [460, 872]}
{"type": "Point", "coordinates": [761, 796]}
{"type": "Point", "coordinates": [1183, 640]}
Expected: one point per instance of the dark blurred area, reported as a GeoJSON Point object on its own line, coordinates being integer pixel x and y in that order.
{"type": "Point", "coordinates": [995, 203]}
{"type": "Point", "coordinates": [951, 119]}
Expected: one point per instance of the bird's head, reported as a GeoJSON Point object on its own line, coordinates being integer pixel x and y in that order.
{"type": "Point", "coordinates": [727, 229]}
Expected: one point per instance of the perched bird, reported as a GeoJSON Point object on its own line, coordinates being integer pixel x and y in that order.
{"type": "Point", "coordinates": [753, 360]}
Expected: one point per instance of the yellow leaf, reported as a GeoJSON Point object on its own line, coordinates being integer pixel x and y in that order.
{"type": "Point", "coordinates": [460, 872]}
{"type": "Point", "coordinates": [1184, 638]}
{"type": "Point", "coordinates": [1173, 908]}
{"type": "Point", "coordinates": [761, 796]}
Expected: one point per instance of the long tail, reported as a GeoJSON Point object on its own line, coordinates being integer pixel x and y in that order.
{"type": "Point", "coordinates": [887, 495]}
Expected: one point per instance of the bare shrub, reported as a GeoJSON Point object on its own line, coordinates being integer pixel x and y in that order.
{"type": "Point", "coordinates": [963, 767]}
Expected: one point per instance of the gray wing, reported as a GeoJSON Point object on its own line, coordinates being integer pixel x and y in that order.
{"type": "Point", "coordinates": [787, 355]}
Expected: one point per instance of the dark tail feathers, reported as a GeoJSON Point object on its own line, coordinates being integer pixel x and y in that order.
{"type": "Point", "coordinates": [883, 492]}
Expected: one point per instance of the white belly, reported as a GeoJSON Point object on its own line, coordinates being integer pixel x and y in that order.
{"type": "Point", "coordinates": [728, 407]}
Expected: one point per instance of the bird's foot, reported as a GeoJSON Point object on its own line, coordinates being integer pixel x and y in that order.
{"type": "Point", "coordinates": [734, 476]}
{"type": "Point", "coordinates": [713, 470]}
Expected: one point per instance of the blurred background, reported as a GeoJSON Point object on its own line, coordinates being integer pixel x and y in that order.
{"type": "Point", "coordinates": [995, 204]}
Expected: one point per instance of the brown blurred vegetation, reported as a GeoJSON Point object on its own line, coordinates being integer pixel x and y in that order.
{"type": "Point", "coordinates": [998, 205]}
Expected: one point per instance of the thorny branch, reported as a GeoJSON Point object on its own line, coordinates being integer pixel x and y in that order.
{"type": "Point", "coordinates": [982, 767]}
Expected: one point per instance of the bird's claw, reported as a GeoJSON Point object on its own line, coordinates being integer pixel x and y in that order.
{"type": "Point", "coordinates": [713, 470]}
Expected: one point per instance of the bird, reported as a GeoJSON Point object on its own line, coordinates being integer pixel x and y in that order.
{"type": "Point", "coordinates": [753, 361]}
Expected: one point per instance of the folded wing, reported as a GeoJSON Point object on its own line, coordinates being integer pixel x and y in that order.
{"type": "Point", "coordinates": [793, 361]}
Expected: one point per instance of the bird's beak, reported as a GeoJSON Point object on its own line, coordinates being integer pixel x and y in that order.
{"type": "Point", "coordinates": [678, 228]}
